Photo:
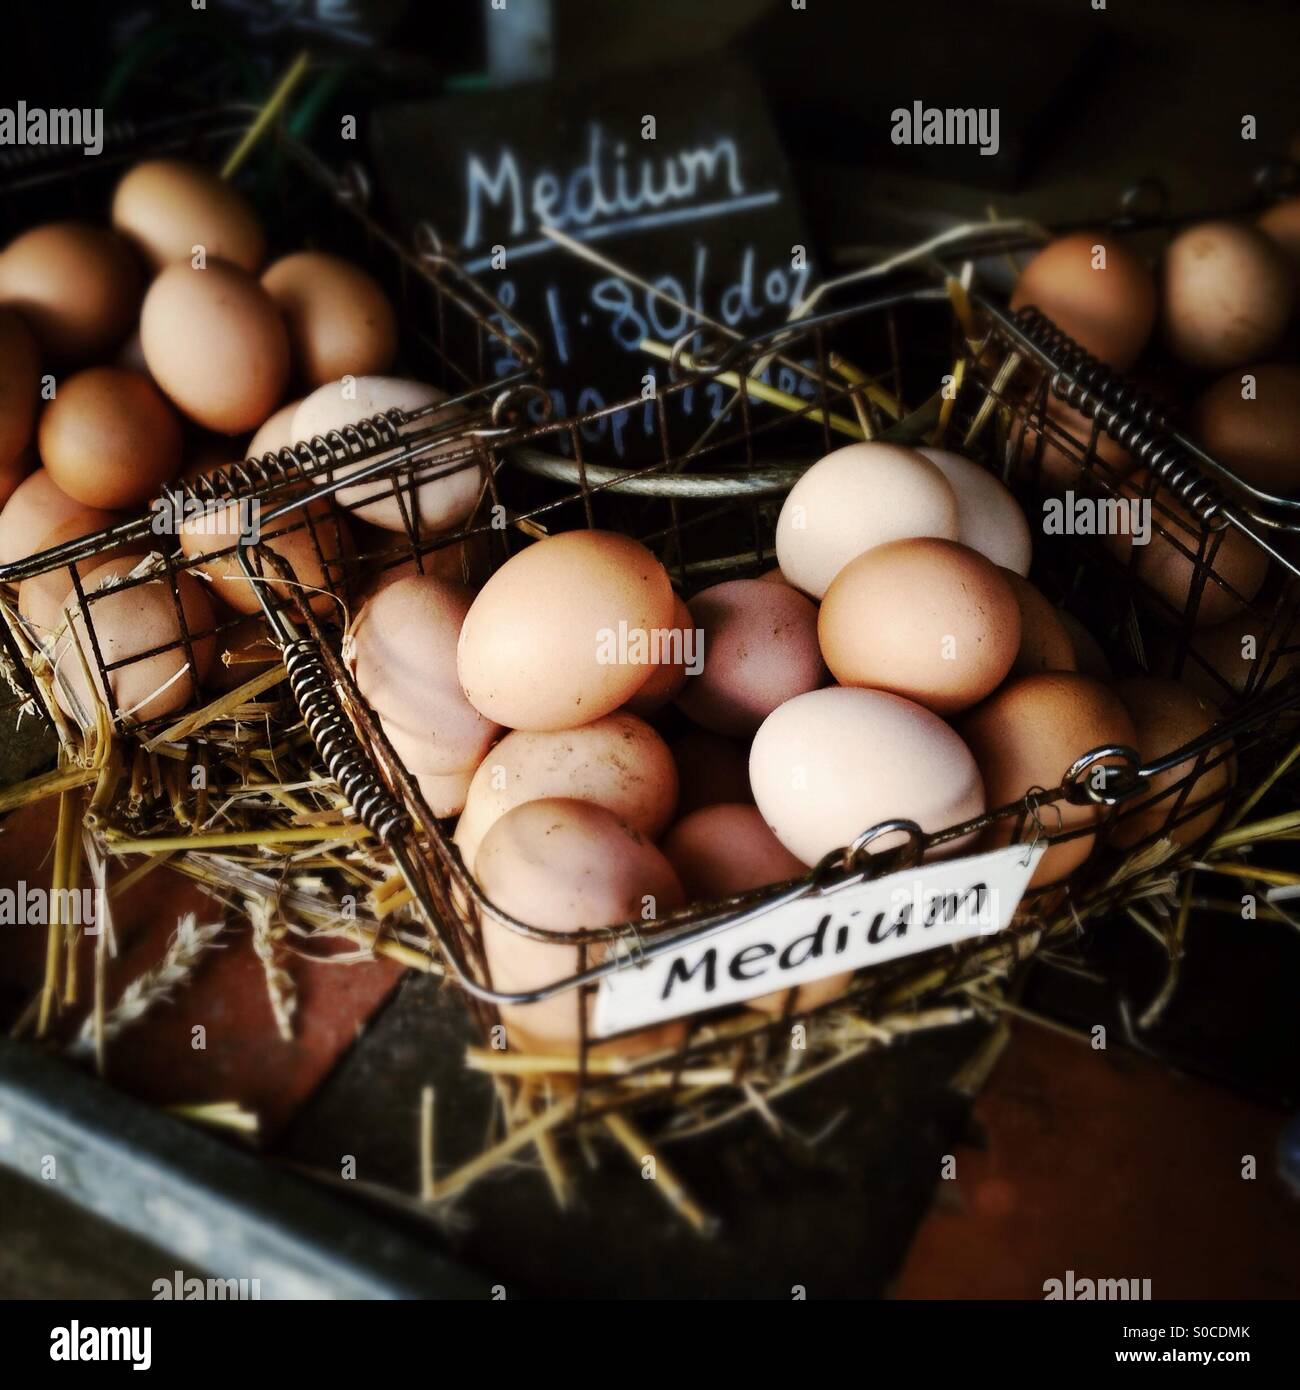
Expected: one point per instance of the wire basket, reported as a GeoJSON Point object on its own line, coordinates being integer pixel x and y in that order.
{"type": "Point", "coordinates": [707, 507]}
{"type": "Point", "coordinates": [453, 335]}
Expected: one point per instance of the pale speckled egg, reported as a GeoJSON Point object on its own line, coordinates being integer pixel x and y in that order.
{"type": "Point", "coordinates": [725, 850]}
{"type": "Point", "coordinates": [130, 621]}
{"type": "Point", "coordinates": [1045, 644]}
{"type": "Point", "coordinates": [340, 321]}
{"type": "Point", "coordinates": [403, 654]}
{"type": "Point", "coordinates": [835, 762]}
{"type": "Point", "coordinates": [437, 501]}
{"type": "Point", "coordinates": [109, 438]}
{"type": "Point", "coordinates": [76, 286]}
{"type": "Point", "coordinates": [317, 551]}
{"type": "Point", "coordinates": [216, 345]}
{"type": "Point", "coordinates": [1026, 736]}
{"type": "Point", "coordinates": [1095, 289]}
{"type": "Point", "coordinates": [1228, 295]}
{"type": "Point", "coordinates": [168, 207]}
{"type": "Point", "coordinates": [858, 497]}
{"type": "Point", "coordinates": [553, 638]}
{"type": "Point", "coordinates": [445, 792]}
{"type": "Point", "coordinates": [565, 865]}
{"type": "Point", "coordinates": [931, 620]}
{"type": "Point", "coordinates": [618, 762]}
{"type": "Point", "coordinates": [989, 518]}
{"type": "Point", "coordinates": [760, 650]}
{"type": "Point", "coordinates": [1167, 716]}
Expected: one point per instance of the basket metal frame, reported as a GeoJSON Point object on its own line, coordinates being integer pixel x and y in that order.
{"type": "Point", "coordinates": [355, 748]}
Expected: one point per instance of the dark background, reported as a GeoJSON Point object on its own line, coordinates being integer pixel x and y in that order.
{"type": "Point", "coordinates": [1074, 1155]}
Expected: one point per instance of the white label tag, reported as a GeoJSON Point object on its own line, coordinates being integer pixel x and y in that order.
{"type": "Point", "coordinates": [916, 909]}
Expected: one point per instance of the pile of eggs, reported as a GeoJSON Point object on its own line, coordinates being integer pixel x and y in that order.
{"type": "Point", "coordinates": [1211, 333]}
{"type": "Point", "coordinates": [896, 664]}
{"type": "Point", "coordinates": [164, 346]}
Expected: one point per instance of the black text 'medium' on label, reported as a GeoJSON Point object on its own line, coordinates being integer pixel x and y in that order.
{"type": "Point", "coordinates": [917, 909]}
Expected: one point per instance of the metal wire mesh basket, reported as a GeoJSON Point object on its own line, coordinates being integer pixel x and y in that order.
{"type": "Point", "coordinates": [452, 335]}
{"type": "Point", "coordinates": [707, 506]}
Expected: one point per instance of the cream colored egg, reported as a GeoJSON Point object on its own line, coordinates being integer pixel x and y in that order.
{"type": "Point", "coordinates": [989, 518]}
{"type": "Point", "coordinates": [436, 501]}
{"type": "Point", "coordinates": [853, 499]}
{"type": "Point", "coordinates": [565, 865]}
{"type": "Point", "coordinates": [275, 432]}
{"type": "Point", "coordinates": [563, 632]}
{"type": "Point", "coordinates": [618, 762]}
{"type": "Point", "coordinates": [403, 654]}
{"type": "Point", "coordinates": [836, 762]}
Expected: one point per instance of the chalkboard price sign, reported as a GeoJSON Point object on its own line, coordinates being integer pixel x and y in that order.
{"type": "Point", "coordinates": [676, 176]}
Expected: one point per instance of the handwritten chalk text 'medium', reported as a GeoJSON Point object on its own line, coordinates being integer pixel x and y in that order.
{"type": "Point", "coordinates": [606, 186]}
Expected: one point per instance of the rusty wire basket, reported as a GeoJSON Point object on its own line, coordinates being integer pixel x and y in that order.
{"type": "Point", "coordinates": [452, 335]}
{"type": "Point", "coordinates": [707, 506]}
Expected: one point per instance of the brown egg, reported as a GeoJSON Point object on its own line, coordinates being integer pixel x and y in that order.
{"type": "Point", "coordinates": [1246, 653]}
{"type": "Point", "coordinates": [43, 597]}
{"type": "Point", "coordinates": [1045, 645]}
{"type": "Point", "coordinates": [710, 770]}
{"type": "Point", "coordinates": [565, 866]}
{"type": "Point", "coordinates": [130, 622]}
{"type": "Point", "coordinates": [1068, 441]}
{"type": "Point", "coordinates": [759, 648]}
{"type": "Point", "coordinates": [168, 207]}
{"type": "Point", "coordinates": [403, 652]}
{"type": "Point", "coordinates": [445, 494]}
{"type": "Point", "coordinates": [35, 507]}
{"type": "Point", "coordinates": [1026, 736]}
{"type": "Point", "coordinates": [463, 561]}
{"type": "Point", "coordinates": [1259, 438]}
{"type": "Point", "coordinates": [722, 851]}
{"type": "Point", "coordinates": [317, 551]}
{"type": "Point", "coordinates": [558, 636]}
{"type": "Point", "coordinates": [931, 620]}
{"type": "Point", "coordinates": [77, 287]}
{"type": "Point", "coordinates": [1228, 292]}
{"type": "Point", "coordinates": [1170, 563]}
{"type": "Point", "coordinates": [1089, 655]}
{"type": "Point", "coordinates": [216, 344]}
{"type": "Point", "coordinates": [618, 762]}
{"type": "Point", "coordinates": [109, 439]}
{"type": "Point", "coordinates": [1167, 716]}
{"type": "Point", "coordinates": [666, 679]}
{"type": "Point", "coordinates": [1094, 289]}
{"type": "Point", "coordinates": [1281, 223]}
{"type": "Point", "coordinates": [20, 384]}
{"type": "Point", "coordinates": [340, 321]}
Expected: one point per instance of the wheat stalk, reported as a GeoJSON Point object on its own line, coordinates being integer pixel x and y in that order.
{"type": "Point", "coordinates": [187, 945]}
